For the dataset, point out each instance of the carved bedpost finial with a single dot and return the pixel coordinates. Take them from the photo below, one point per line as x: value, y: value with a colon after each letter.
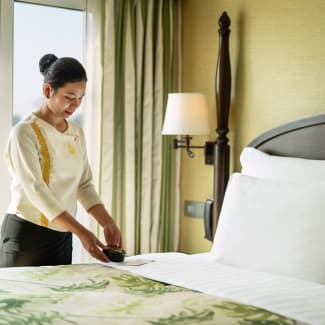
x: 224, y: 21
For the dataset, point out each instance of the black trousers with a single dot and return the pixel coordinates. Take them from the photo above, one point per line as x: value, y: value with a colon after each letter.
x: 23, y: 243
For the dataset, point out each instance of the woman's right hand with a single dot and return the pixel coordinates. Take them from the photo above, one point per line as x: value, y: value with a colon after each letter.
x: 93, y: 245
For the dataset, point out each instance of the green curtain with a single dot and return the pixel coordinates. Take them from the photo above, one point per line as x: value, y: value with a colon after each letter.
x: 139, y: 168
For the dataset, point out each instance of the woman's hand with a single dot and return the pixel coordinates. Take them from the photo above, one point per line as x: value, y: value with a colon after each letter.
x: 111, y: 231
x: 112, y: 235
x: 93, y: 245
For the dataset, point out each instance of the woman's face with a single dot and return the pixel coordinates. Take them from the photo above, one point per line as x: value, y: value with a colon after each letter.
x: 65, y: 100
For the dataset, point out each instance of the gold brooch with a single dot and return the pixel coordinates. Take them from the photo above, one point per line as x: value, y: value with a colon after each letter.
x: 71, y: 149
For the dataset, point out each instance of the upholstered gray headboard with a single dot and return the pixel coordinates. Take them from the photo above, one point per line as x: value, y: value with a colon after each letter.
x: 304, y: 138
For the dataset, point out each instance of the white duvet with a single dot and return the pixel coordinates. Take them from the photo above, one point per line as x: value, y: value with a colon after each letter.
x: 291, y: 297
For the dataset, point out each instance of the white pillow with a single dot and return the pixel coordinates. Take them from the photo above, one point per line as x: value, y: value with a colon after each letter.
x: 260, y: 164
x: 273, y: 226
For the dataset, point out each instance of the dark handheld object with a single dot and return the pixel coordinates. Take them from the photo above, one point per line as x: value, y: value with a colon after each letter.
x: 115, y: 254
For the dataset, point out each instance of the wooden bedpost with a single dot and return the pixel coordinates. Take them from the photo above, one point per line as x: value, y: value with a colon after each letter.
x: 223, y: 89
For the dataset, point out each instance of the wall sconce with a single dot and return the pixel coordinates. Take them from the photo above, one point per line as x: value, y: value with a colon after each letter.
x: 187, y: 114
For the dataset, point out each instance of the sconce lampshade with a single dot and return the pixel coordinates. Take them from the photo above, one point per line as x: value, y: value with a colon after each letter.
x: 186, y: 114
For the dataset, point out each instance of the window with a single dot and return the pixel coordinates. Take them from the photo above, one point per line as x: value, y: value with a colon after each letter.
x: 37, y: 32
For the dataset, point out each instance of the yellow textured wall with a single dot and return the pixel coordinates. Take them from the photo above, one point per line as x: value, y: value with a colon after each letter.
x: 277, y: 53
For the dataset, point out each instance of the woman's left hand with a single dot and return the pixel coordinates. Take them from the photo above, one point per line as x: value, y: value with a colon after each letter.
x: 112, y: 235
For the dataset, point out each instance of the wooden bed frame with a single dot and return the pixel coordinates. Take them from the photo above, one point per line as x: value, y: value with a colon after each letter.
x: 221, y: 147
x: 303, y: 138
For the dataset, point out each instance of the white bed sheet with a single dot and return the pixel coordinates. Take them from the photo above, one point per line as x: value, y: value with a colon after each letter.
x: 291, y: 297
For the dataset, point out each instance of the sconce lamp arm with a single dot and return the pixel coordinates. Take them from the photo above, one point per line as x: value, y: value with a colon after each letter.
x: 185, y: 143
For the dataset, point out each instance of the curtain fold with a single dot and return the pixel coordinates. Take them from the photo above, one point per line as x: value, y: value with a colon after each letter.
x: 92, y: 110
x: 138, y: 167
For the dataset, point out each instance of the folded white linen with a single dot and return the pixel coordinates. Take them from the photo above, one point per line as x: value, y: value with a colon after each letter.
x: 294, y: 298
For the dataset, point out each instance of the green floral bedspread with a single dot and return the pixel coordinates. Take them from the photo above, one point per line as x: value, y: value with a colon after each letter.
x: 94, y: 294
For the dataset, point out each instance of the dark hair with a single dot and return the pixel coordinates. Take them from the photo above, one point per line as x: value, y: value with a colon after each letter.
x: 59, y: 71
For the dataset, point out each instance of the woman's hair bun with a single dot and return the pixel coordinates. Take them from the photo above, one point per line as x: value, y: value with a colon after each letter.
x: 45, y: 62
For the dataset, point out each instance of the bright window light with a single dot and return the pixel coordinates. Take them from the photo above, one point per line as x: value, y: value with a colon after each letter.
x: 38, y: 30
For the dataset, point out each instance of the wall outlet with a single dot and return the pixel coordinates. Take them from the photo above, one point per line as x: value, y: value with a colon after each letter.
x: 193, y: 209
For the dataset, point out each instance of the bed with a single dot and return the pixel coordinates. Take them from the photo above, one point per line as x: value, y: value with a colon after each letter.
x: 260, y: 270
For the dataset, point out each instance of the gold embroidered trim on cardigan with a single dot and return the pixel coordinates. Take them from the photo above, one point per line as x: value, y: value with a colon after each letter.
x: 46, y: 165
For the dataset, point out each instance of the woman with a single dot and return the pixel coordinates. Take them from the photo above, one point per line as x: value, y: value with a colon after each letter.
x: 46, y: 156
